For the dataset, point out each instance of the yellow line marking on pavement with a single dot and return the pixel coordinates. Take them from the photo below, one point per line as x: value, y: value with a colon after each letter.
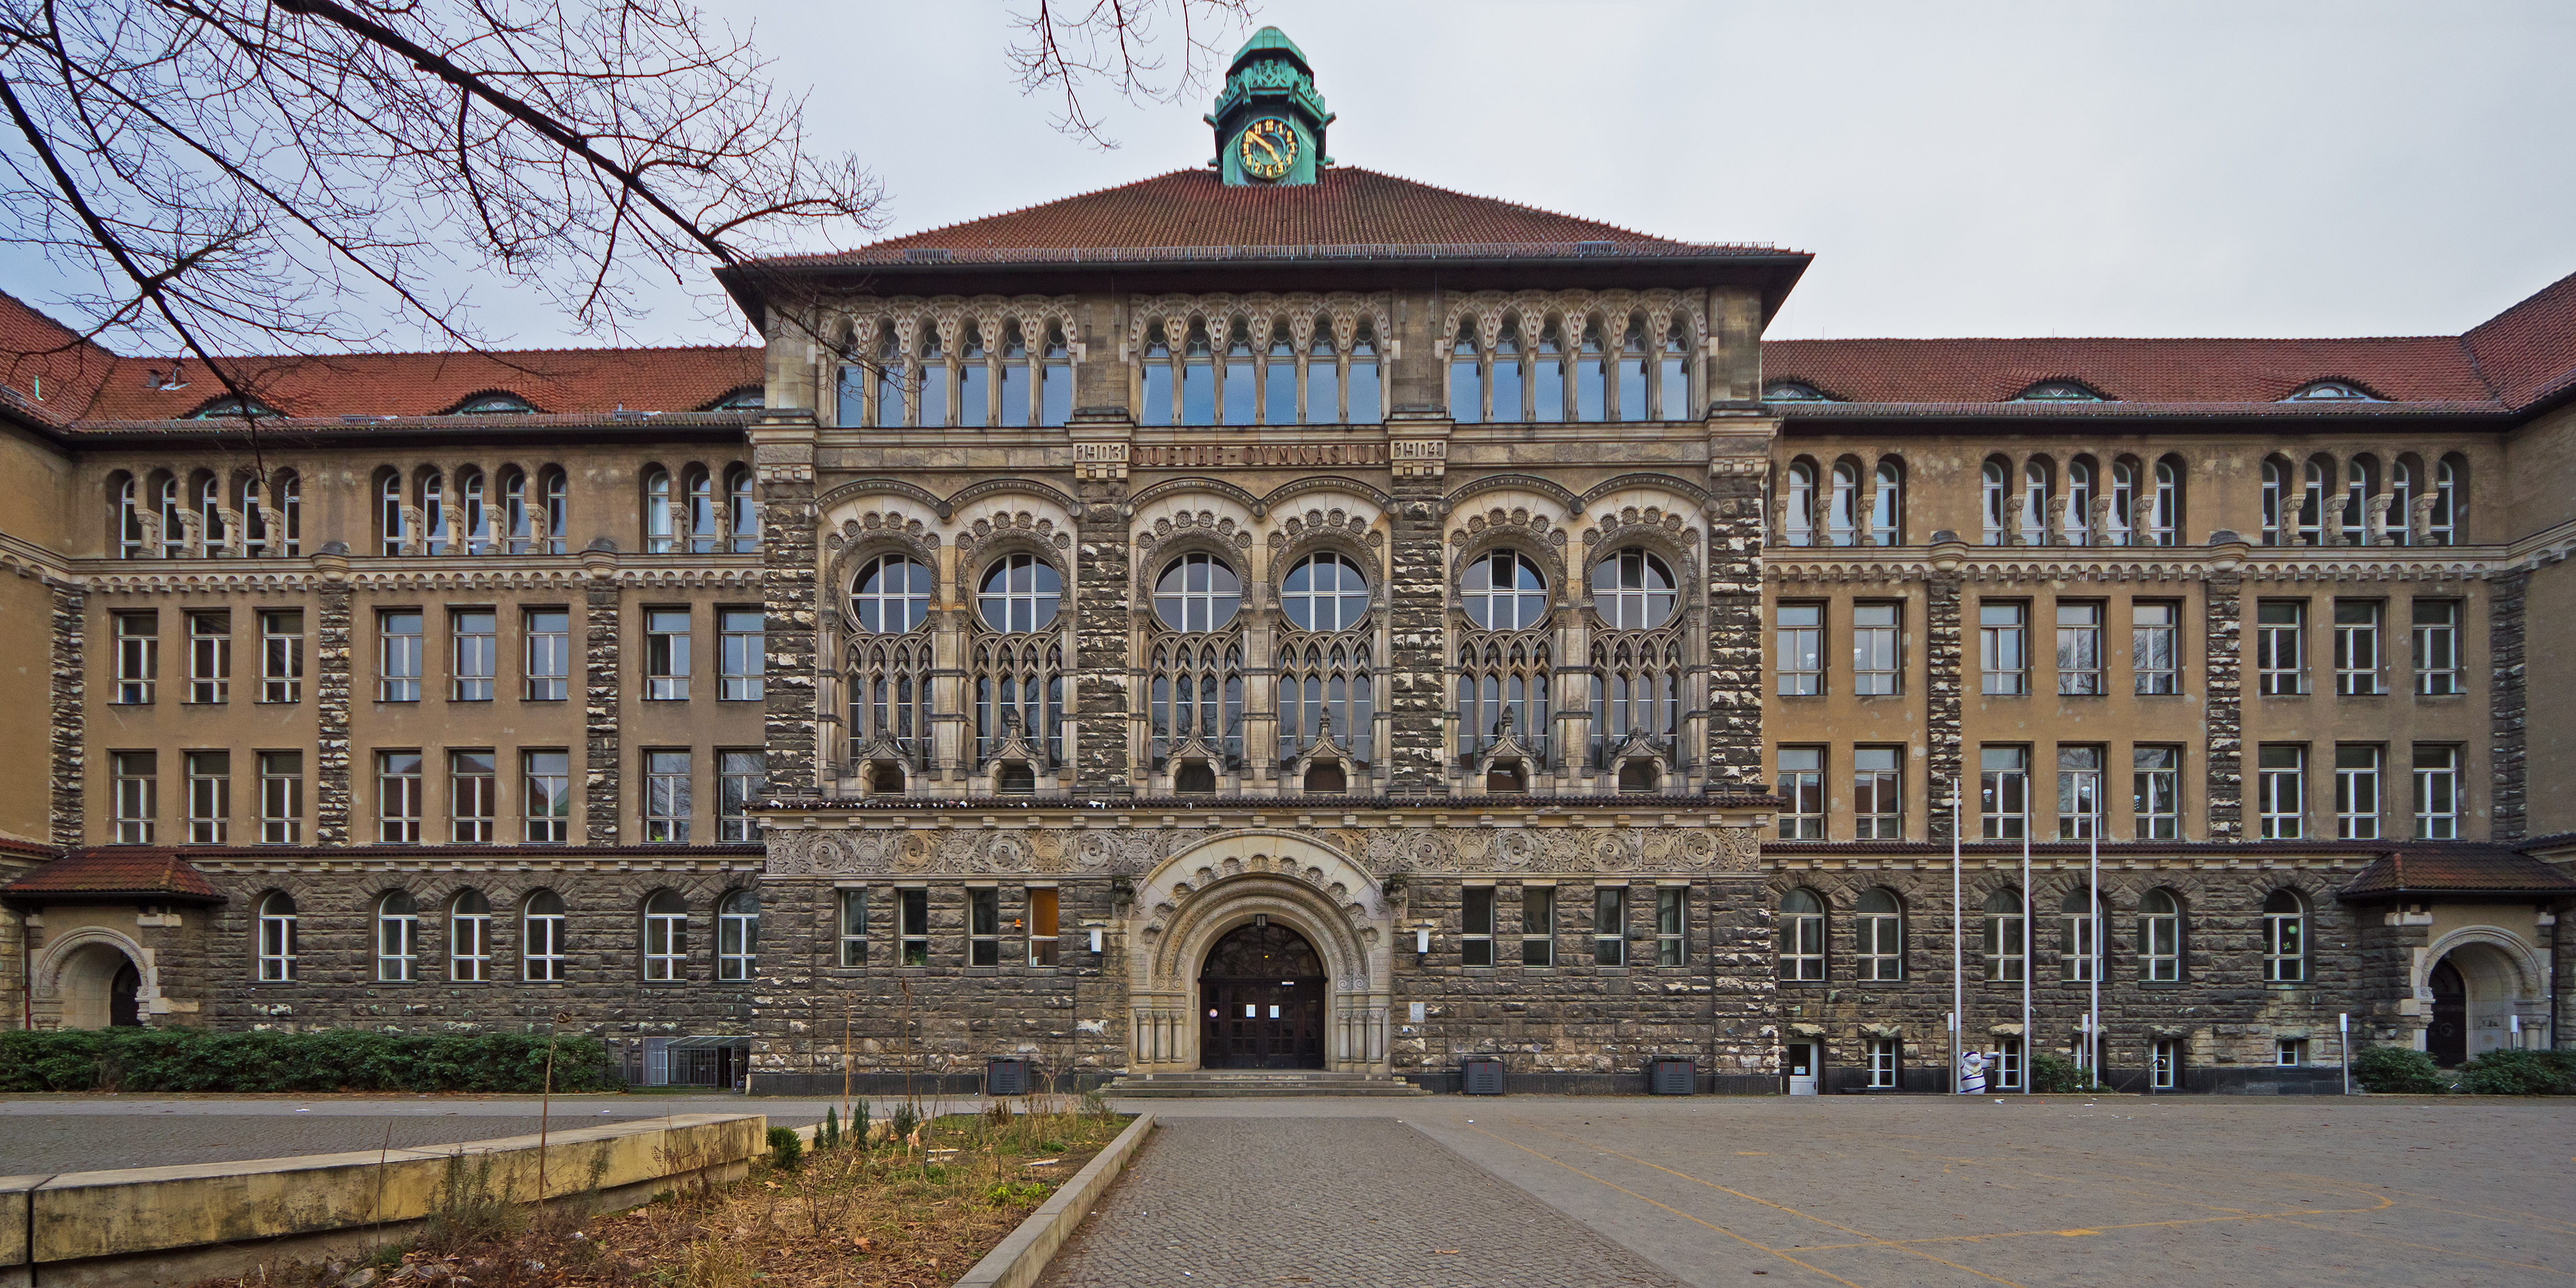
x: 2072, y: 1233
x: 1670, y: 1208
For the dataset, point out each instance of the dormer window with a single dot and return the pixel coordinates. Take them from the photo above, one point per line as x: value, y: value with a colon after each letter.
x: 494, y: 405
x: 741, y: 400
x: 2331, y: 391
x: 1794, y: 391
x: 230, y: 407
x: 2058, y: 391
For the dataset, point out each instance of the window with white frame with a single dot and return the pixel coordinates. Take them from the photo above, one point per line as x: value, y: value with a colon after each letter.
x: 742, y: 653
x: 1875, y: 666
x: 738, y: 935
x: 2079, y: 955
x: 2281, y: 790
x: 1801, y: 788
x: 1802, y: 937
x: 210, y: 796
x: 853, y: 921
x: 2289, y: 1053
x: 2153, y: 656
x: 2356, y: 647
x: 1995, y: 500
x: 2356, y: 789
x: 2167, y: 1073
x: 2003, y: 792
x: 1670, y: 922
x: 210, y: 657
x: 2281, y: 647
x: 984, y: 927
x: 912, y: 915
x: 469, y: 938
x: 666, y: 654
x: 549, y: 654
x: 2007, y: 1064
x: 666, y: 797
x: 473, y: 797
x: 1800, y: 631
x: 2155, y: 783
x: 545, y: 779
x: 281, y: 797
x: 1610, y: 925
x: 281, y: 656
x: 2437, y: 647
x: 2285, y: 938
x: 398, y: 797
x: 397, y: 938
x: 1878, y: 923
x: 742, y: 774
x: 398, y: 656
x: 1476, y: 926
x: 2079, y: 792
x: 2007, y: 943
x: 1044, y: 920
x: 1798, y: 504
x: 277, y: 938
x: 544, y: 948
x: 666, y: 938
x: 2003, y: 659
x: 476, y: 653
x: 1538, y: 925
x: 2160, y: 938
x: 1878, y: 793
x: 1883, y: 1063
x: 137, y: 638
x: 2079, y: 649
x: 2437, y: 792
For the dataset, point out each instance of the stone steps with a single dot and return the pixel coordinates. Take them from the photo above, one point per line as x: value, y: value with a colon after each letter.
x: 1261, y: 1084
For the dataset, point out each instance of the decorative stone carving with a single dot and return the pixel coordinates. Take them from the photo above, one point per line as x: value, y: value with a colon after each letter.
x: 1570, y: 309
x: 1053, y: 849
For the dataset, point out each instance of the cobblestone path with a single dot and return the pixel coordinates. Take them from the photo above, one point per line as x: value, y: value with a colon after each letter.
x: 1231, y: 1203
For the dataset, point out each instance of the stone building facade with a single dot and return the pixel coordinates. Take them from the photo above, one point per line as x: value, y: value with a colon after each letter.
x: 1287, y: 615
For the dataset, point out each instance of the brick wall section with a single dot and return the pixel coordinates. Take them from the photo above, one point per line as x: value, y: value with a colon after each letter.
x: 1943, y: 644
x: 70, y: 690
x: 1101, y: 630
x: 2507, y: 595
x: 334, y: 676
x: 2224, y: 658
x: 1417, y: 654
x: 1736, y: 635
x: 600, y: 699
x: 790, y: 728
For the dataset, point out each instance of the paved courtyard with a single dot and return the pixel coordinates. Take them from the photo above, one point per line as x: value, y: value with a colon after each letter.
x: 1877, y: 1192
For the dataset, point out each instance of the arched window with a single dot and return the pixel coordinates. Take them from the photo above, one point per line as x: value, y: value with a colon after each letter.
x: 1802, y: 936
x: 1842, y: 508
x: 1547, y: 397
x: 2276, y: 501
x: 499, y: 404
x: 1508, y: 380
x: 2007, y: 946
x: 657, y: 512
x: 475, y: 516
x: 277, y: 938
x: 1364, y: 398
x: 389, y: 513
x: 1633, y: 590
x: 891, y: 595
x: 1505, y: 657
x: 1591, y: 375
x: 469, y: 938
x: 1466, y: 377
x: 893, y: 408
x: 1197, y: 592
x: 397, y: 938
x: 2120, y: 522
x: 1634, y: 364
x: 174, y: 532
x: 974, y: 379
x: 2285, y: 938
x: 210, y: 514
x: 435, y: 532
x: 1995, y: 499
x: 544, y: 948
x: 1279, y: 378
x: 2035, y: 486
x: 737, y: 935
x: 2079, y: 501
x: 1798, y: 504
x: 706, y: 528
x: 1878, y: 925
x: 1326, y: 671
x: 2079, y: 946
x: 666, y: 938
x: 2360, y: 474
x: 1241, y: 376
x: 1673, y: 374
x: 518, y: 522
x: 1323, y: 378
x: 128, y: 519
x: 1793, y: 391
x: 1198, y: 377
x: 2442, y: 526
x: 930, y: 380
x: 2312, y: 501
x: 558, y: 511
x: 254, y: 515
x: 1887, y: 505
x: 1019, y: 672
x: 1324, y: 593
x: 289, y: 512
x: 2160, y: 938
x: 1020, y: 593
x: 1159, y: 386
x: 2401, y: 504
x: 1015, y: 382
x: 1055, y: 380
x: 1504, y: 591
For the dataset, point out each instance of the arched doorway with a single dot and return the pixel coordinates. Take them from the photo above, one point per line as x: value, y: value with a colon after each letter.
x: 1263, y: 990
x: 99, y: 987
x: 2447, y: 1038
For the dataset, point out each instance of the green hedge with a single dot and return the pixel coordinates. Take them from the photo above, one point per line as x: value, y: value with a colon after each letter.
x: 2520, y: 1073
x: 316, y: 1060
x: 2398, y: 1069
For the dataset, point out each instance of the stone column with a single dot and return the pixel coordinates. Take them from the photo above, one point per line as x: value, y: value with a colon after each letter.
x: 2507, y: 594
x: 601, y: 645
x: 334, y: 667
x: 1417, y: 689
x: 70, y: 748
x: 1103, y: 595
x: 1945, y: 687
x: 783, y: 455
x: 1739, y: 462
x: 2223, y: 712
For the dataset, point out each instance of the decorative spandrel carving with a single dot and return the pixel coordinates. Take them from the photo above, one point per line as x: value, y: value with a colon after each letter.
x: 1377, y: 851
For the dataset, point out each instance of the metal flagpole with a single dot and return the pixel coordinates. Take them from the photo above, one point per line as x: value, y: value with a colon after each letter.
x: 2028, y: 1050
x: 2093, y: 914
x: 1958, y: 940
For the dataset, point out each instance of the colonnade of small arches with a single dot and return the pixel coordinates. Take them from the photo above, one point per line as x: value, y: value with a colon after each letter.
x: 2365, y: 500
x: 205, y: 514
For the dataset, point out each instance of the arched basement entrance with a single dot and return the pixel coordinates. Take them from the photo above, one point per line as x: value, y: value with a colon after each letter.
x: 2477, y: 988
x: 1263, y: 989
x: 99, y: 989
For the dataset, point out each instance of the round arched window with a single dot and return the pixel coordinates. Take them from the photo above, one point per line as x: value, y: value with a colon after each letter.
x: 891, y: 595
x: 1325, y: 593
x: 1504, y: 592
x: 1633, y: 590
x: 1020, y: 593
x: 1197, y: 593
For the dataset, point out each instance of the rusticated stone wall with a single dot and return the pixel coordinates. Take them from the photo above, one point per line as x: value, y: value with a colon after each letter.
x: 70, y: 690
x: 602, y: 686
x: 2508, y: 593
x: 2224, y: 656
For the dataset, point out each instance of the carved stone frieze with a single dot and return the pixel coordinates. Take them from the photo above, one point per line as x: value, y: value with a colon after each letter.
x: 975, y: 850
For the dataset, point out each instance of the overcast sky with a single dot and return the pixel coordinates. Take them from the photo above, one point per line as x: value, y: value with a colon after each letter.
x: 2235, y: 168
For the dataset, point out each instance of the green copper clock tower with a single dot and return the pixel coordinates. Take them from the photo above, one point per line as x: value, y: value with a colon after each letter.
x: 1270, y: 121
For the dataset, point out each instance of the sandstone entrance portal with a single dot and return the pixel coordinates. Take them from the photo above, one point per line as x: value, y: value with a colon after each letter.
x: 1263, y: 996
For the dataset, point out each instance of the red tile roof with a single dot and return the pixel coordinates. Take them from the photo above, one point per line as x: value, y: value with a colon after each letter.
x: 2528, y: 352
x: 116, y: 869
x: 432, y: 384
x: 2466, y: 868
x: 1347, y: 209
x: 50, y: 368
x: 2413, y: 369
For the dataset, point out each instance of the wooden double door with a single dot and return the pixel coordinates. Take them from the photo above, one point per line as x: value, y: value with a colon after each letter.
x: 1262, y: 1002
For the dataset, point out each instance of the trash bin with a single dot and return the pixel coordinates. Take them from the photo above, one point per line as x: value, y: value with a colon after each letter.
x: 1672, y: 1076
x: 1482, y: 1075
x: 1006, y: 1075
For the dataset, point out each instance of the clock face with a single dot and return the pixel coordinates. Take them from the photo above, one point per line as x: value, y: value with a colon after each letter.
x: 1268, y: 148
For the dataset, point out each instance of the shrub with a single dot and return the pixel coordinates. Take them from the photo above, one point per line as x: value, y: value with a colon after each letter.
x: 2051, y: 1072
x: 2521, y: 1073
x: 2397, y: 1069
x: 829, y: 1135
x: 786, y: 1149
x: 338, y: 1059
x: 859, y: 1125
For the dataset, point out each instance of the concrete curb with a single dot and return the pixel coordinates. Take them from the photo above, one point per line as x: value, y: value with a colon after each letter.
x: 1019, y: 1259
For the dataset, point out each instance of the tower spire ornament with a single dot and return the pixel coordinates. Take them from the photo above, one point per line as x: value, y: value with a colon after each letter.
x: 1269, y: 120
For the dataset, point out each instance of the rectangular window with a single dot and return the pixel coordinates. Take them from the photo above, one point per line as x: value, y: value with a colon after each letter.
x: 666, y: 797
x: 2281, y: 790
x: 477, y: 652
x: 398, y: 656
x: 1882, y: 1064
x: 983, y: 927
x: 2008, y: 1064
x: 549, y: 633
x: 2437, y: 793
x: 912, y: 909
x: 743, y: 777
x: 1875, y: 669
x: 137, y: 789
x: 546, y: 795
x: 1610, y: 925
x: 210, y: 657
x: 854, y: 927
x: 2153, y: 651
x: 281, y: 797
x: 398, y: 797
x: 1538, y: 925
x: 1043, y: 922
x: 1802, y: 786
x: 138, y: 656
x: 2356, y: 647
x: 2079, y: 793
x: 744, y: 654
x: 1668, y: 925
x: 2003, y: 792
x: 1476, y: 937
x: 473, y: 797
x: 1878, y: 796
x: 666, y: 654
x: 2156, y: 792
x: 2290, y: 1052
x: 2437, y: 647
x: 2079, y: 649
x: 2357, y: 769
x: 2000, y: 653
x: 281, y: 657
x: 210, y: 796
x: 2167, y: 1074
x: 2280, y: 647
x: 1801, y: 638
